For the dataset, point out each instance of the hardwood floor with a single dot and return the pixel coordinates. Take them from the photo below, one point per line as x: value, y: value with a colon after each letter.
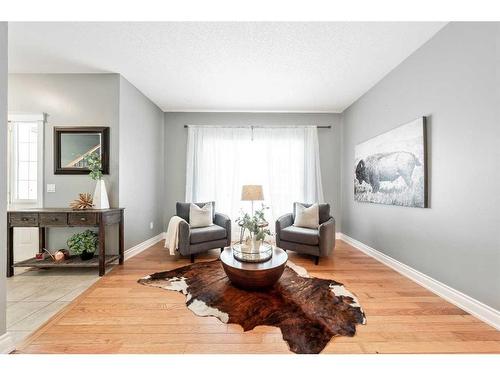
x: 118, y: 315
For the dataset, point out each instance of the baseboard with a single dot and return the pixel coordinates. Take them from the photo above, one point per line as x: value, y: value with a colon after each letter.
x: 478, y: 309
x: 6, y: 344
x: 338, y: 235
x: 139, y: 248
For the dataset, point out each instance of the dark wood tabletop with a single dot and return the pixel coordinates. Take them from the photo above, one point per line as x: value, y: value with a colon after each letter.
x: 279, y: 258
x: 63, y: 210
x: 254, y: 275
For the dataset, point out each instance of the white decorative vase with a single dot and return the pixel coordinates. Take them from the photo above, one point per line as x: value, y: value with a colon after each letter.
x: 255, y: 245
x: 100, y: 198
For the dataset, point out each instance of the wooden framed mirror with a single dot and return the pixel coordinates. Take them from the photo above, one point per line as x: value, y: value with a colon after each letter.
x: 73, y: 144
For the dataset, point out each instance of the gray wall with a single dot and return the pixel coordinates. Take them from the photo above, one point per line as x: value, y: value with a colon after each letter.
x: 141, y: 166
x: 3, y: 171
x: 453, y: 79
x: 176, y: 142
x: 70, y: 100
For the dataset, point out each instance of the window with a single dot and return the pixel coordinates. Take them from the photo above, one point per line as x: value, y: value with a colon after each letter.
x: 25, y: 159
x: 284, y: 160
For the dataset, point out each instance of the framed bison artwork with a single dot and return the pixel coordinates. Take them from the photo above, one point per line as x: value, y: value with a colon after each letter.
x: 391, y: 168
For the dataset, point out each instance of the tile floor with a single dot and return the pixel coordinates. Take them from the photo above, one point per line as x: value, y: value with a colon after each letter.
x: 34, y: 296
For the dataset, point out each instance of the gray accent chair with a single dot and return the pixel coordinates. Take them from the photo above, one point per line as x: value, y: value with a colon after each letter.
x: 317, y: 242
x: 193, y: 241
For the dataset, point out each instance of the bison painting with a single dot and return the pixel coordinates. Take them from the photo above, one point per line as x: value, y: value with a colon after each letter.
x: 387, y: 167
x: 390, y: 168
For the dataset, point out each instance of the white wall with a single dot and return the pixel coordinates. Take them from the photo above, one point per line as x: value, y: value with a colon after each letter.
x: 453, y: 79
x: 141, y: 164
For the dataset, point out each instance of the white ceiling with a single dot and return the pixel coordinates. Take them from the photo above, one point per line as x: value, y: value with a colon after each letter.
x: 295, y: 67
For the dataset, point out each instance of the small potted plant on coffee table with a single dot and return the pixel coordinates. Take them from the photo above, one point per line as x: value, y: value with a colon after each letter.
x: 84, y: 244
x: 256, y: 226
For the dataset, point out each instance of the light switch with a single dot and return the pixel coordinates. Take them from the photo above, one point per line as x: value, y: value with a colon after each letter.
x: 51, y: 188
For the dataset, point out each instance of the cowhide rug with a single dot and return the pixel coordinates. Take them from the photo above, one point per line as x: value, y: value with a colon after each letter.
x: 309, y: 311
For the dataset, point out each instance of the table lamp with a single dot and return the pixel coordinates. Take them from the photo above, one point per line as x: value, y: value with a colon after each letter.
x: 252, y: 193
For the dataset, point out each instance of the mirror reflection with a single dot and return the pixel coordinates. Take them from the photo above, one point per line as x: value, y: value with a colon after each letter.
x: 72, y: 145
x: 75, y: 147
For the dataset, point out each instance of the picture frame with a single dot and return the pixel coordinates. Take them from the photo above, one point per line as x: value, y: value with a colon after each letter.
x: 391, y: 168
x: 73, y: 143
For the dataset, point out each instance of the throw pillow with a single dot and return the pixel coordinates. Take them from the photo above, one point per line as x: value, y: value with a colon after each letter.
x: 200, y: 216
x: 306, y: 217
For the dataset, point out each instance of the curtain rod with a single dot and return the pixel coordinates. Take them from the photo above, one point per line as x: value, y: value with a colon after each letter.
x: 257, y: 126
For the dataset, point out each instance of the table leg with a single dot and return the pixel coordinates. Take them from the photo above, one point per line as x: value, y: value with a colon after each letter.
x: 102, y: 250
x: 42, y: 239
x: 121, y: 250
x: 10, y: 251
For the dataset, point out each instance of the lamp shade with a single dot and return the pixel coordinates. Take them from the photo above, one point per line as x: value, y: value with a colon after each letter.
x: 252, y: 193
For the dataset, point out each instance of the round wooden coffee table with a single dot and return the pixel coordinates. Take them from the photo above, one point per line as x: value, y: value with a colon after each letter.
x: 254, y: 275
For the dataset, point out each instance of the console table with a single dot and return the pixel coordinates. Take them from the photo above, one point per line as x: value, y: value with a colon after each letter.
x: 43, y: 218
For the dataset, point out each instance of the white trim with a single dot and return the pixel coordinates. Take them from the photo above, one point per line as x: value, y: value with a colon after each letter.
x: 139, y: 248
x: 6, y: 344
x: 26, y: 117
x: 478, y: 309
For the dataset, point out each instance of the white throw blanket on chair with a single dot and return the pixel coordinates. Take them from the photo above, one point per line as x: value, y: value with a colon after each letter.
x: 172, y: 239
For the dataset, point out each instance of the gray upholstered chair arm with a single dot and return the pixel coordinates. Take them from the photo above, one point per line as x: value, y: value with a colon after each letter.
x: 184, y: 237
x: 225, y: 222
x: 282, y: 222
x: 327, y: 237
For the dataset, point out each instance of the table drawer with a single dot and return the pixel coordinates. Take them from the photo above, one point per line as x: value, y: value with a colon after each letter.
x: 82, y: 218
x: 54, y: 219
x: 20, y: 219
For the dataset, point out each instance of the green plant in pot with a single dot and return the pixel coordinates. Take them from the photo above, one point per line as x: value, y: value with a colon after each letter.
x: 84, y: 244
x: 100, y: 197
x: 256, y: 226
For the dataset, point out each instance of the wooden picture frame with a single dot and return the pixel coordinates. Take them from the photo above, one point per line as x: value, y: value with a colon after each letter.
x: 59, y: 132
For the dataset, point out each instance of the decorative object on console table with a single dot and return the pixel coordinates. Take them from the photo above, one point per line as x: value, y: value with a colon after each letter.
x: 83, y: 202
x: 65, y: 217
x: 59, y: 256
x: 100, y: 198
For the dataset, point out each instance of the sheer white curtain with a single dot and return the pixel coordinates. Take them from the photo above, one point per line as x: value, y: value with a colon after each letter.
x: 284, y: 160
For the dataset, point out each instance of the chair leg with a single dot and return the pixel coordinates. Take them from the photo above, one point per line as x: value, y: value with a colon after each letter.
x: 316, y: 260
x: 192, y: 258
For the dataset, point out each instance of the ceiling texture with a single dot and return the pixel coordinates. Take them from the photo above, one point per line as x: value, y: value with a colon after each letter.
x: 225, y: 66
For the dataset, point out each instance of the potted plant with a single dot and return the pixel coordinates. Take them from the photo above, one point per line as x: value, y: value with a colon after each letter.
x: 256, y: 226
x: 100, y: 197
x: 84, y: 244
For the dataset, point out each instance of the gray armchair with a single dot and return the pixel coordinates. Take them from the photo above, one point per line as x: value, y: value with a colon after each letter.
x: 197, y: 240
x: 317, y: 242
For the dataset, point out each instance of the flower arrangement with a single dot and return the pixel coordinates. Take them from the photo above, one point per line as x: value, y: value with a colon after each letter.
x: 84, y: 244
